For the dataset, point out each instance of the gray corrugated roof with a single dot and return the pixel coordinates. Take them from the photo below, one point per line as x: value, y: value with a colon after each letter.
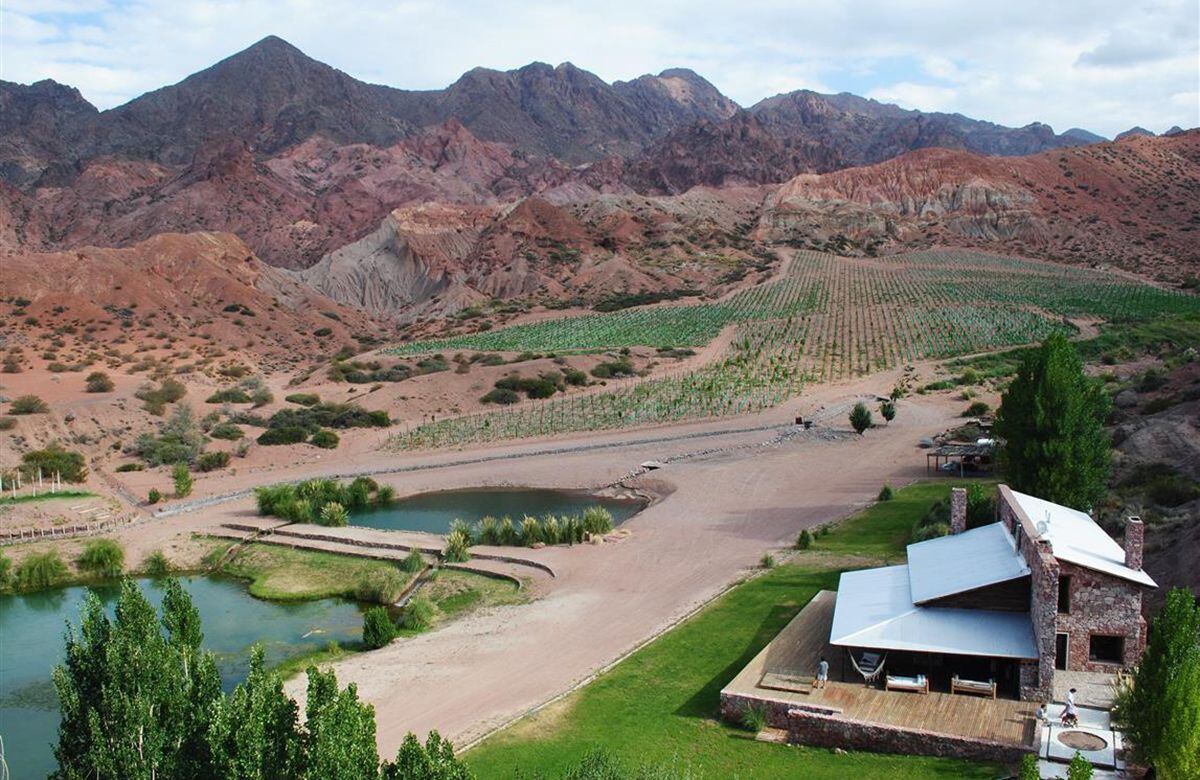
x: 966, y: 561
x: 875, y: 610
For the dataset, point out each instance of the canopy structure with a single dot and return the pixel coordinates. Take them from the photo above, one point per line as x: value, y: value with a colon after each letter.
x: 875, y: 610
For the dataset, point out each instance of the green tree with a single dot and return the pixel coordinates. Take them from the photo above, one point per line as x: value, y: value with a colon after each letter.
x: 1052, y: 421
x: 860, y: 418
x: 378, y: 629
x: 1079, y: 768
x: 434, y: 761
x: 183, y: 480
x: 1029, y: 768
x: 254, y: 733
x: 339, y: 743
x: 1160, y: 710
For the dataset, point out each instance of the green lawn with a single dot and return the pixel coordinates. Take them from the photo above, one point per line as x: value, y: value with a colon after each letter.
x: 659, y: 706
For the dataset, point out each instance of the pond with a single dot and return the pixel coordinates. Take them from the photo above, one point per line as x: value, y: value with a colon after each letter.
x: 31, y: 643
x: 433, y: 512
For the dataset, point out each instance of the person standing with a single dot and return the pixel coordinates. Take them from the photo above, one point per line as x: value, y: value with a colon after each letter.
x: 822, y: 673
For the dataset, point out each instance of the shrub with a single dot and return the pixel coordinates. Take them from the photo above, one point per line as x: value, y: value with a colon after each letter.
x: 886, y: 493
x: 597, y: 521
x: 531, y: 531
x: 500, y: 395
x: 211, y: 461
x: 767, y: 561
x: 418, y: 615
x: 303, y: 399
x: 155, y: 399
x: 303, y: 503
x: 230, y: 395
x: 413, y: 562
x: 860, y: 418
x: 804, y: 540
x: 261, y: 397
x: 154, y: 496
x: 28, y: 404
x: 378, y: 628
x: 456, y: 550
x: 227, y: 431
x: 156, y: 564
x: 487, y: 530
x: 182, y: 479
x: 931, y: 531
x: 127, y: 467
x: 102, y: 557
x: 179, y: 440
x: 380, y: 586
x: 325, y: 439
x: 5, y: 569
x: 328, y: 415
x: 334, y: 514
x: 574, y: 376
x: 887, y: 410
x: 38, y: 571
x: 286, y: 435
x: 977, y: 409
x: 1079, y: 768
x: 754, y: 718
x: 613, y: 369
x: 69, y: 465
x: 98, y: 382
x: 8, y: 423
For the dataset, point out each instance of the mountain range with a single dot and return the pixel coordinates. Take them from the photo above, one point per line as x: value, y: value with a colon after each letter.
x: 549, y: 181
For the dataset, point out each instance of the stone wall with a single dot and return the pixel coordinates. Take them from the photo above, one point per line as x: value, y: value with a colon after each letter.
x: 734, y: 705
x: 806, y: 727
x: 1043, y: 602
x: 1101, y: 604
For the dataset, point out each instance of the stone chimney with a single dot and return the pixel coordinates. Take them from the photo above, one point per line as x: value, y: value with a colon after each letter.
x: 1135, y: 533
x: 958, y: 510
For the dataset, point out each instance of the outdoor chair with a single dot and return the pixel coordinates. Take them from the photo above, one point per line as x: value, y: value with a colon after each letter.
x: 961, y: 685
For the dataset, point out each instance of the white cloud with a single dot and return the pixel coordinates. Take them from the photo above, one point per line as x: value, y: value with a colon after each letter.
x: 1104, y: 65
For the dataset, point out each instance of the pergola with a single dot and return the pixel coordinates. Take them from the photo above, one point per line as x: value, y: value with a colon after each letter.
x: 980, y: 454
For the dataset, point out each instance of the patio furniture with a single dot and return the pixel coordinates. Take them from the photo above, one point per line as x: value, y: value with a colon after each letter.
x: 918, y: 684
x: 869, y: 665
x: 961, y: 685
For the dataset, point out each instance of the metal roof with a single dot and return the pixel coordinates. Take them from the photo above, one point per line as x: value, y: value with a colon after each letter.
x: 965, y: 561
x: 874, y: 610
x: 1075, y: 537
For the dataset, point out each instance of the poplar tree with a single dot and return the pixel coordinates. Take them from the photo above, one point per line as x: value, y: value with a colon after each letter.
x: 1051, y: 419
x: 1160, y: 711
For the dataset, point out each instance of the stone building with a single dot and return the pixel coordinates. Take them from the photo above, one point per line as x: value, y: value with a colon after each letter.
x: 1041, y: 589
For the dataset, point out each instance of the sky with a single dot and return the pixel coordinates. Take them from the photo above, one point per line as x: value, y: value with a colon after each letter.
x: 1104, y: 65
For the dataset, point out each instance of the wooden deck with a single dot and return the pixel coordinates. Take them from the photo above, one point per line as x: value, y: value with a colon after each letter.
x: 782, y: 671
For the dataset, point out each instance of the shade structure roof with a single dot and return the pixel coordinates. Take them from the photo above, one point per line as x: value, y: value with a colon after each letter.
x: 875, y: 610
x: 1075, y: 537
x: 955, y: 564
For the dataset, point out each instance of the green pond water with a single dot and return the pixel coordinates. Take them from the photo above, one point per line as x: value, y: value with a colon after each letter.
x: 433, y: 512
x: 31, y: 643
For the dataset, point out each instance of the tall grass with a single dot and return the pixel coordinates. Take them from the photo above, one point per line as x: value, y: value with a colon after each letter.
x: 39, y: 571
x: 307, y: 502
x: 564, y: 529
x: 102, y: 557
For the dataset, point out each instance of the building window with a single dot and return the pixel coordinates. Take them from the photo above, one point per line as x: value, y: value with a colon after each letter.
x: 1064, y: 595
x: 1107, y: 649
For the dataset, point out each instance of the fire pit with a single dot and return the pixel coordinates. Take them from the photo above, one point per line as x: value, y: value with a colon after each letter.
x: 1081, y: 740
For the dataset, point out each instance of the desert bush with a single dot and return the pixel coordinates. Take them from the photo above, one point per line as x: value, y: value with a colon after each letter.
x: 500, y: 395
x: 182, y: 478
x: 977, y: 409
x: 325, y: 439
x: 155, y: 399
x: 418, y: 615
x: 887, y: 410
x: 8, y: 423
x: 614, y: 369
x: 456, y: 549
x: 98, y: 382
x: 227, y: 431
x: 261, y: 396
x: 328, y: 415
x: 68, y: 464
x: 574, y: 376
x: 179, y: 440
x: 767, y: 561
x: 230, y: 395
x: 303, y: 399
x: 38, y: 571
x: 28, y: 404
x: 378, y: 628
x: 380, y: 586
x: 154, y: 496
x: 127, y: 467
x: 286, y: 435
x: 211, y: 461
x: 804, y: 540
x: 886, y: 493
x: 102, y: 557
x: 860, y: 418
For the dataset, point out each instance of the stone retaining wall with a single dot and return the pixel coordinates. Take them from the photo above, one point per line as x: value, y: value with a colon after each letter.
x: 808, y: 727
